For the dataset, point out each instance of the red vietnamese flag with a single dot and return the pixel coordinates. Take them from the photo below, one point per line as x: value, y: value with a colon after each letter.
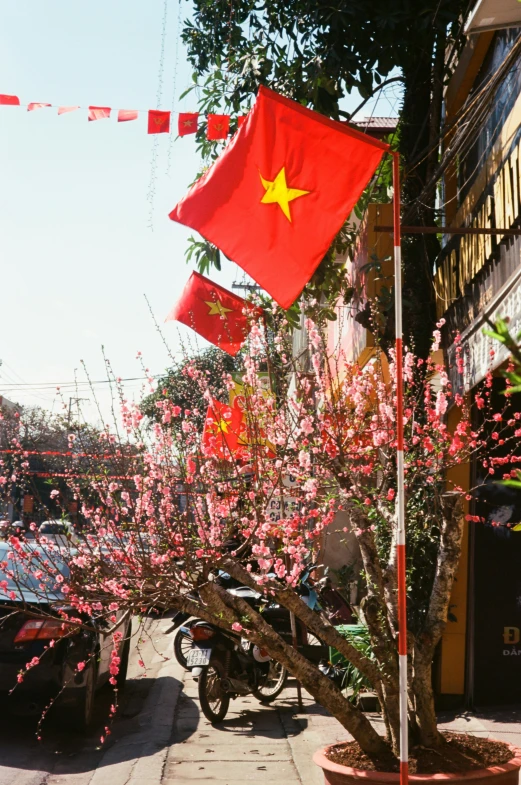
x: 215, y: 313
x: 158, y: 122
x: 33, y: 106
x: 9, y: 100
x: 127, y: 115
x: 187, y: 123
x: 99, y: 113
x: 224, y: 427
x: 218, y: 126
x: 280, y: 192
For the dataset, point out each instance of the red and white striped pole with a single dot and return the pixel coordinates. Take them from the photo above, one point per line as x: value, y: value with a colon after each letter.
x: 400, y: 495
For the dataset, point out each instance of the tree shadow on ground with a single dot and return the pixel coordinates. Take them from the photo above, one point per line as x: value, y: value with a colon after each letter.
x: 143, y: 726
x: 500, y: 717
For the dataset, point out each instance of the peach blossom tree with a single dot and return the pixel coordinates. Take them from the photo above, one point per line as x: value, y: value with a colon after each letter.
x: 191, y: 503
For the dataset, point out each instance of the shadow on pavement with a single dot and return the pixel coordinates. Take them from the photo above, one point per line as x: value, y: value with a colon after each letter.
x: 143, y: 726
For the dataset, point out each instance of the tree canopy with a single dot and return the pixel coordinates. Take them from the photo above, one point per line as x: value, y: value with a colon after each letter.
x: 317, y: 53
x: 178, y: 387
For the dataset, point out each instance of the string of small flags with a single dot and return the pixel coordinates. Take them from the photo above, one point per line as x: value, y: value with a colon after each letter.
x: 217, y: 125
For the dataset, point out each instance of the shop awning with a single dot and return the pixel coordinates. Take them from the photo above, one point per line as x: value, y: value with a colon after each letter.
x: 493, y: 15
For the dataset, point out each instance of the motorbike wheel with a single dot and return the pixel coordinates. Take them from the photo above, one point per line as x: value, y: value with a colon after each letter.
x: 182, y: 645
x: 214, y: 701
x: 273, y: 684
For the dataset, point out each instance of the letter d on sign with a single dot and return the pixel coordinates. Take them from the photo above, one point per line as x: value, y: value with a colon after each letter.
x: 511, y: 635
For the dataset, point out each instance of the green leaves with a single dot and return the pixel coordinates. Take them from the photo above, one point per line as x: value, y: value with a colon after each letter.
x: 500, y: 331
x: 204, y: 254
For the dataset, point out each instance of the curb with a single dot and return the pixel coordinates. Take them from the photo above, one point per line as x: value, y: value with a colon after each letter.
x: 152, y: 740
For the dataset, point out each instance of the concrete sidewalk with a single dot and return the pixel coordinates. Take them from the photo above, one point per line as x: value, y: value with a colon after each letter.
x: 161, y: 737
x: 276, y: 743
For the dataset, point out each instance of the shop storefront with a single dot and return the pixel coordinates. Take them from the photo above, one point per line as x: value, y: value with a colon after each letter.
x: 478, y: 279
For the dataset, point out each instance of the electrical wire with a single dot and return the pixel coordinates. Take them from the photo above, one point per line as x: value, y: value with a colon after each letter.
x: 174, y: 84
x: 61, y: 385
x: 155, y: 144
x: 475, y: 112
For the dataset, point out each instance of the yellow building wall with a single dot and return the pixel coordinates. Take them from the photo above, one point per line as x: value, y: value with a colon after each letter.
x: 453, y: 642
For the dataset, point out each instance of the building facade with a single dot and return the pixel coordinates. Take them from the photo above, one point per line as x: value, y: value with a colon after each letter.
x: 477, y: 279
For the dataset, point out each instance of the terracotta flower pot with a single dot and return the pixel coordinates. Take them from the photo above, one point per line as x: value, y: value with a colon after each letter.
x: 502, y: 774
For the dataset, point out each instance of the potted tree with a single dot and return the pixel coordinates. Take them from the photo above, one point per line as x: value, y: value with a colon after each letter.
x: 159, y: 535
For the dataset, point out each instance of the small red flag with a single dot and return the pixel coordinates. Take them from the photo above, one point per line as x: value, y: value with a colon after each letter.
x: 124, y: 115
x: 281, y: 190
x: 32, y: 107
x: 224, y: 430
x: 9, y: 100
x: 218, y: 315
x: 158, y: 122
x: 65, y: 109
x: 218, y: 126
x: 187, y: 123
x: 99, y: 112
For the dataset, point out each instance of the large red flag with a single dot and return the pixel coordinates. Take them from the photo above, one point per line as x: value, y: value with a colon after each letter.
x: 218, y: 315
x: 224, y: 429
x: 280, y: 192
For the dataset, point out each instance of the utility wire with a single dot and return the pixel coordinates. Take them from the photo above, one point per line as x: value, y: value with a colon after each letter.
x: 155, y: 144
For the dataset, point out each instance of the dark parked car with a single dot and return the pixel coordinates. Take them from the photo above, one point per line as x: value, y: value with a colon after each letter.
x: 24, y: 636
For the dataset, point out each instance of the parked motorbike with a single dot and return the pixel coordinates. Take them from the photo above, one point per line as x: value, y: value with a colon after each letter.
x: 227, y: 666
x: 317, y: 595
x: 274, y: 614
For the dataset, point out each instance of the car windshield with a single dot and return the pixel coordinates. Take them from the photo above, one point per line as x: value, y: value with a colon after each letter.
x: 54, y: 527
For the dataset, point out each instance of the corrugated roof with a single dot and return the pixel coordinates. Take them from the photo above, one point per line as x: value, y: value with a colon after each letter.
x: 377, y: 122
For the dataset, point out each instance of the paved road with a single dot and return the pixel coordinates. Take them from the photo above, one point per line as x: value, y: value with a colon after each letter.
x: 161, y: 738
x: 137, y: 746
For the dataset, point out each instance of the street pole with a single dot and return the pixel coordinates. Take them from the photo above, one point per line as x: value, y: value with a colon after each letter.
x: 77, y: 401
x: 400, y: 491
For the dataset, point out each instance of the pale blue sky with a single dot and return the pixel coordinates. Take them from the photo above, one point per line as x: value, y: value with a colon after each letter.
x: 77, y: 253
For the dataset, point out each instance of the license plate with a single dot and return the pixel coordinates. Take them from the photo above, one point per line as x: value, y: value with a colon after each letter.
x: 198, y: 657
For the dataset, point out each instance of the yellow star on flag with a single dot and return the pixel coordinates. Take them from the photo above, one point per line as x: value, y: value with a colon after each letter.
x: 277, y: 192
x: 217, y: 308
x: 221, y: 426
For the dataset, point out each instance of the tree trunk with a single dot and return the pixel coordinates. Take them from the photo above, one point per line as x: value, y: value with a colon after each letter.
x: 323, y: 689
x: 449, y: 553
x: 418, y: 250
x: 319, y: 626
x: 423, y: 696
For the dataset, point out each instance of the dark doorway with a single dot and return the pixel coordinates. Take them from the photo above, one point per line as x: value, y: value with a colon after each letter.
x: 495, y: 583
